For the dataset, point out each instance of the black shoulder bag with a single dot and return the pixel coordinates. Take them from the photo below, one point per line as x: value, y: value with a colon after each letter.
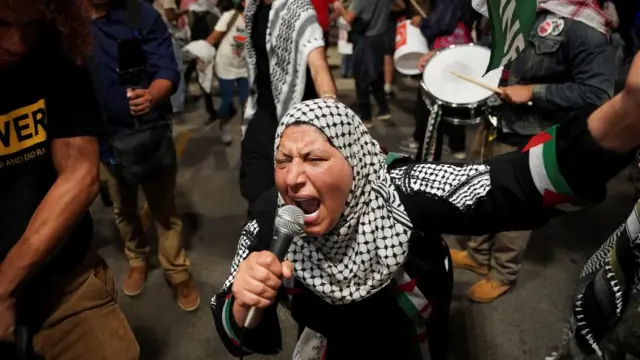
x: 147, y: 149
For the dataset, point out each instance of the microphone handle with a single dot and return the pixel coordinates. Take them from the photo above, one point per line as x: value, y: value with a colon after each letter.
x: 279, y: 247
x: 253, y: 318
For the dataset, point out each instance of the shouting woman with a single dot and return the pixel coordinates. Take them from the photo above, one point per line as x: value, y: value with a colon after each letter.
x: 370, y: 277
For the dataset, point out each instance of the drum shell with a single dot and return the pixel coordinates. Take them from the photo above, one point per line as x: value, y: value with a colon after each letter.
x: 457, y: 114
x: 469, y: 113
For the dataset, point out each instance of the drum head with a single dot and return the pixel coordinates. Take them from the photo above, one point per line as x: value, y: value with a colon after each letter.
x: 471, y: 60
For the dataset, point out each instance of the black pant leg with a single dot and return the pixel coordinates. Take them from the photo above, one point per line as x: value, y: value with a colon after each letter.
x: 377, y: 89
x: 363, y: 94
x: 256, y: 159
x: 421, y: 116
x: 457, y: 136
x: 208, y: 105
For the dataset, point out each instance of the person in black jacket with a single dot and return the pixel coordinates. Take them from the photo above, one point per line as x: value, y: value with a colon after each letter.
x: 442, y: 21
x: 370, y: 276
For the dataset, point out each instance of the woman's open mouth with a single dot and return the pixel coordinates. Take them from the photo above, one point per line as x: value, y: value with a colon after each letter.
x: 310, y: 207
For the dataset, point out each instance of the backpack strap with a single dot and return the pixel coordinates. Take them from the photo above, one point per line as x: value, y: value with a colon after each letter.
x: 232, y: 22
x: 134, y: 16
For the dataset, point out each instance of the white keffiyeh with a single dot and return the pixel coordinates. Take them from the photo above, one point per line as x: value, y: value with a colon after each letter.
x: 371, y: 240
x: 585, y: 11
x: 292, y: 33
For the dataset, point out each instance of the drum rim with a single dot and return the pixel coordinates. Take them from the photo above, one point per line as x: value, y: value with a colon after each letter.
x: 444, y: 102
x: 474, y: 104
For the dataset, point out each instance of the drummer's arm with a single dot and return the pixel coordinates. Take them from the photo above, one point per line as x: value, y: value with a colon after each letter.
x: 593, y: 73
x: 398, y: 5
x: 441, y: 22
x: 349, y: 15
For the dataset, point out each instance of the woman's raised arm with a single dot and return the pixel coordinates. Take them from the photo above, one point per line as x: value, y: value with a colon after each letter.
x: 561, y: 169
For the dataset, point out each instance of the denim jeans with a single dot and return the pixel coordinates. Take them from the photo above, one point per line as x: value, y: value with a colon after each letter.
x: 178, y: 98
x: 227, y: 88
x: 346, y: 68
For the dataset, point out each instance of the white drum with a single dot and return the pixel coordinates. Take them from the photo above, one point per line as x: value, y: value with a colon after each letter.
x: 460, y: 101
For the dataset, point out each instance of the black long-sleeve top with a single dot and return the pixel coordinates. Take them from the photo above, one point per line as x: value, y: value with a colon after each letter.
x: 560, y: 170
x: 443, y: 19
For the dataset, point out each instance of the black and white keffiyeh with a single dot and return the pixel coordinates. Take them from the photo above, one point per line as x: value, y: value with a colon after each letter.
x: 292, y: 33
x: 371, y: 240
x: 608, y: 281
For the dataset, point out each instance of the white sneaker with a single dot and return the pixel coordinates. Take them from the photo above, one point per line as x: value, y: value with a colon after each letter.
x: 384, y: 116
x: 225, y: 135
x: 409, y: 146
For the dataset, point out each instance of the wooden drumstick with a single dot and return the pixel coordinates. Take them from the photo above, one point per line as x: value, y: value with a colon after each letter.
x: 477, y: 82
x: 481, y: 83
x: 418, y: 8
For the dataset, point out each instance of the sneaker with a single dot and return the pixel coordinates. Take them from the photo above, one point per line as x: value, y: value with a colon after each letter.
x: 134, y: 283
x: 462, y: 260
x: 460, y: 155
x: 383, y: 116
x: 409, y: 146
x: 388, y: 91
x: 187, y: 295
x: 487, y: 290
x: 225, y: 135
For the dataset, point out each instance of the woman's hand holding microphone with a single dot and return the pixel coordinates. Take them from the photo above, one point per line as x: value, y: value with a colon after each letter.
x: 257, y: 282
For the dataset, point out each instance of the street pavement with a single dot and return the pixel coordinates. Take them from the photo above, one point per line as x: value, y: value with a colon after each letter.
x: 525, y: 324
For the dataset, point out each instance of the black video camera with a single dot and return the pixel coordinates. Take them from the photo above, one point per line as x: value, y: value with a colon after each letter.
x: 132, y: 62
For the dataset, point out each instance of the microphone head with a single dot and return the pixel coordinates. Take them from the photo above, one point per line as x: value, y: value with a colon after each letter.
x: 290, y: 219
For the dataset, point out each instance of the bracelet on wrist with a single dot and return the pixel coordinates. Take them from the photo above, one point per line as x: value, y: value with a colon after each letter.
x: 329, y: 96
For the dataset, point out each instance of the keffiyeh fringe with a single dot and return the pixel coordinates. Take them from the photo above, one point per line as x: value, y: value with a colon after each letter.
x: 610, y: 276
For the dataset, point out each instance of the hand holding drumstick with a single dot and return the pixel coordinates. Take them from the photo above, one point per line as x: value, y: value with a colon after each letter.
x: 515, y: 94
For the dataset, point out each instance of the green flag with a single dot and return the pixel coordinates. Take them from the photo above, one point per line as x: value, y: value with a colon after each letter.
x: 511, y: 24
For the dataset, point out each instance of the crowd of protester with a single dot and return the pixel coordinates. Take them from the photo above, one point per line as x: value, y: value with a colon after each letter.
x: 96, y: 84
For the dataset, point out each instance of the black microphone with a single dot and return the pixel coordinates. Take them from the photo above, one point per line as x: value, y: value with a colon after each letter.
x: 289, y: 224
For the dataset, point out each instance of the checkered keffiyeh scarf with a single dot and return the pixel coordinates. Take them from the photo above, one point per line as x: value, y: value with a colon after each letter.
x: 360, y: 255
x: 586, y: 11
x: 608, y: 280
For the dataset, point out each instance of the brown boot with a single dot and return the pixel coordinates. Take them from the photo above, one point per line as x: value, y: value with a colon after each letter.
x: 134, y: 283
x: 462, y: 260
x: 187, y: 295
x: 487, y: 290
